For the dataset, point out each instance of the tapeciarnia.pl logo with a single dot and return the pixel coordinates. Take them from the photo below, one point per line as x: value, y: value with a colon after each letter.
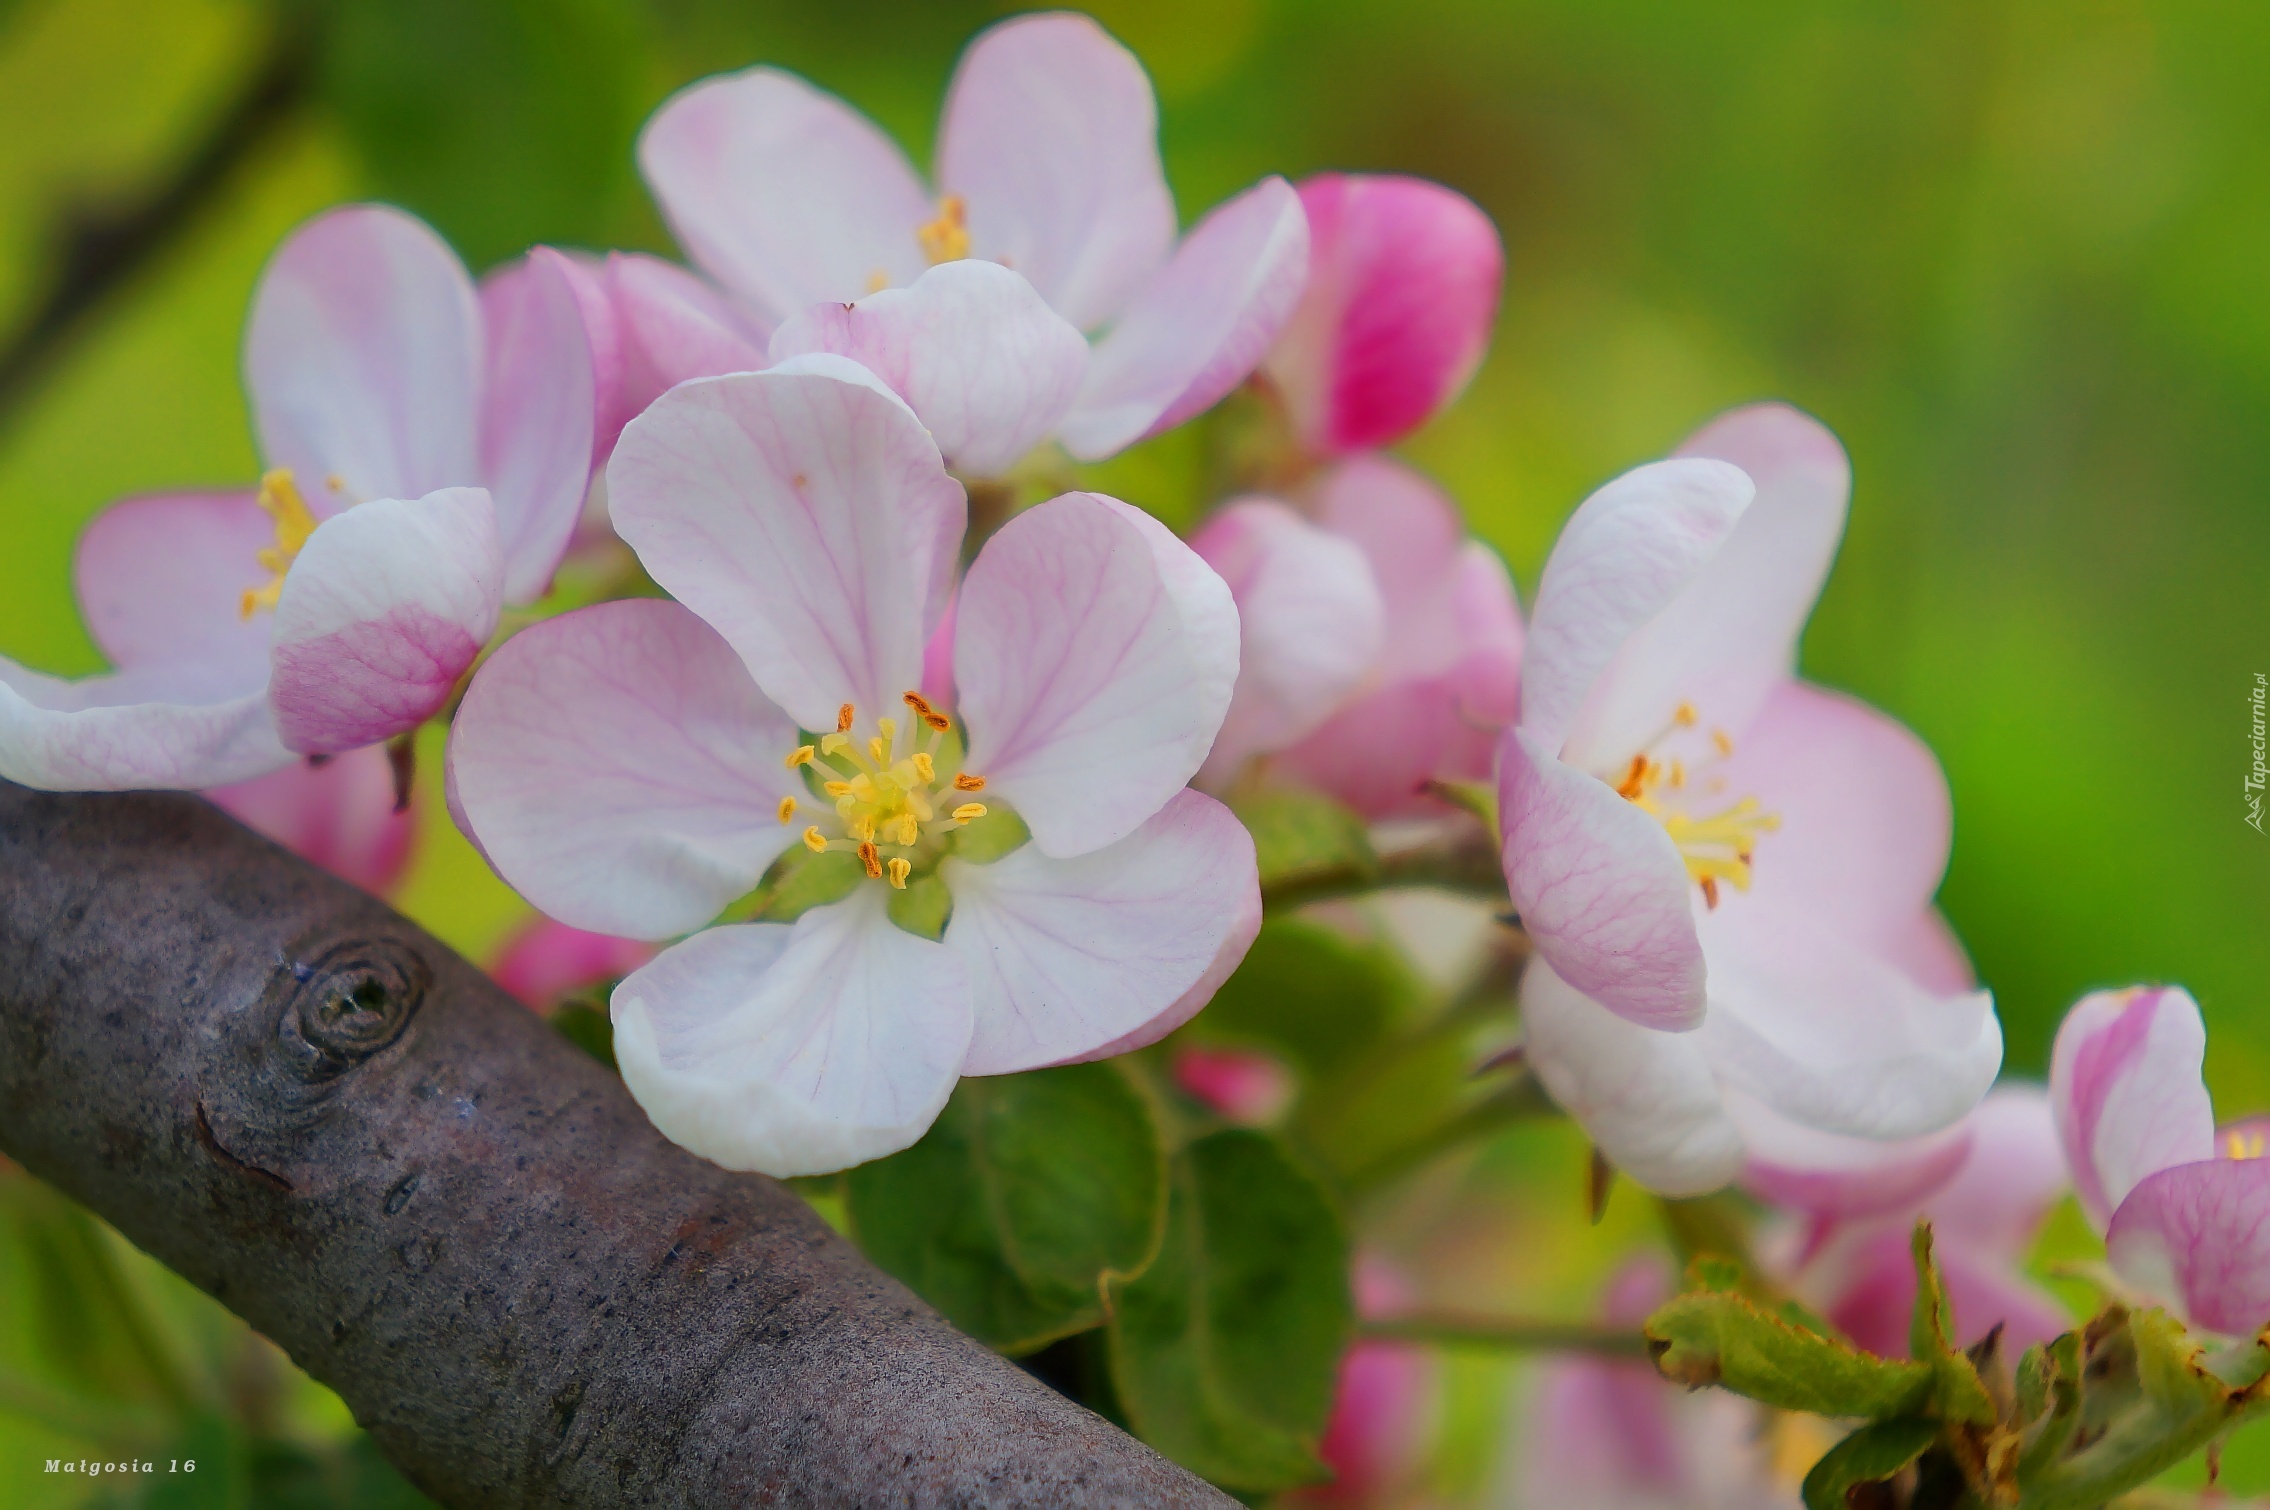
x: 2258, y: 773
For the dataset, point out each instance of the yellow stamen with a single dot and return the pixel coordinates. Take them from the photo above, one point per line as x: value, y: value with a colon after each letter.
x: 1716, y: 847
x: 968, y: 811
x: 877, y: 281
x: 965, y: 782
x: 862, y: 829
x: 1722, y: 742
x: 879, y: 749
x: 843, y: 719
x: 1685, y: 715
x: 837, y: 788
x: 871, y: 860
x: 815, y: 841
x: 890, y: 728
x: 945, y: 238
x: 787, y: 808
x: 924, y: 767
x: 801, y: 755
x: 909, y: 830
x: 899, y: 871
x: 280, y: 499
x: 2246, y: 1145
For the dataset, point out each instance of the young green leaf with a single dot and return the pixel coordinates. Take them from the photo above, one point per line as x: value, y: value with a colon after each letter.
x: 1869, y: 1456
x: 1304, y: 836
x: 1958, y: 1394
x: 1722, y: 1337
x: 1225, y: 1352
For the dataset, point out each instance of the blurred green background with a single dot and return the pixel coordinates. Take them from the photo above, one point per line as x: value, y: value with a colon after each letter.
x: 2016, y: 252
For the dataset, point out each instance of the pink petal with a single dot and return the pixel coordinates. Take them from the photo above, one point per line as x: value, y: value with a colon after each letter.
x: 1310, y: 626
x: 1051, y: 136
x: 1996, y: 1203
x: 538, y: 406
x: 1928, y: 950
x: 603, y: 334
x: 622, y: 771
x: 1647, y: 1098
x: 1623, y: 556
x: 673, y: 327
x: 338, y: 813
x: 1096, y: 655
x: 168, y: 727
x: 2124, y: 1081
x: 784, y: 194
x: 1838, y: 1177
x: 1375, y: 1434
x: 161, y: 581
x: 1244, y: 925
x: 1875, y: 1296
x: 363, y: 358
x: 1729, y: 638
x: 985, y: 364
x: 1240, y: 1085
x: 1066, y: 956
x: 1376, y: 751
x: 1599, y: 887
x: 1198, y: 326
x: 804, y: 512
x: 2196, y: 1237
x: 548, y: 961
x: 1402, y: 293
x: 387, y: 605
x: 797, y: 1049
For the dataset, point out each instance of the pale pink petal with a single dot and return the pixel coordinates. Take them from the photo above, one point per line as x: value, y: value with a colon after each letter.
x: 547, y: 961
x: 2196, y: 1237
x: 1096, y: 655
x: 1243, y: 927
x: 2124, y: 1081
x: 1600, y: 888
x: 1835, y: 1176
x: 611, y: 409
x: 1928, y: 950
x: 673, y: 326
x: 1065, y: 956
x: 161, y: 581
x: 338, y: 812
x: 386, y: 606
x: 1310, y: 622
x: 538, y: 404
x: 985, y: 364
x: 162, y: 727
x: 1402, y: 292
x: 621, y: 770
x: 1647, y: 1098
x: 1198, y: 326
x: 938, y: 660
x: 2015, y: 1174
x: 805, y: 513
x: 1375, y: 752
x: 1729, y: 638
x: 1875, y: 1296
x: 1051, y: 136
x: 1623, y: 556
x: 1411, y: 534
x: 363, y: 358
x: 797, y: 1049
x: 784, y: 194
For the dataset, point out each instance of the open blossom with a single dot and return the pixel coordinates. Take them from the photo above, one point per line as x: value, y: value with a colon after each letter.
x: 2185, y: 1210
x: 1382, y: 647
x: 1047, y: 165
x: 634, y: 767
x: 1727, y: 874
x: 1402, y: 292
x: 1987, y: 1184
x: 428, y: 449
x: 337, y: 811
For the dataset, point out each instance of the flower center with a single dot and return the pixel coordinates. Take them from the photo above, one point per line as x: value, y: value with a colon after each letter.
x: 280, y: 498
x: 1715, y: 846
x: 2243, y: 1143
x: 945, y: 238
x: 891, y: 805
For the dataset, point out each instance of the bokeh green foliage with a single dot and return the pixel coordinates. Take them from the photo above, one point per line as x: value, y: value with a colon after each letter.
x: 2009, y: 249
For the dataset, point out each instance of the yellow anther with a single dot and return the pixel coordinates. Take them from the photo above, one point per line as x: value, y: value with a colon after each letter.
x: 1685, y: 715
x: 834, y: 744
x: 945, y: 238
x: 890, y: 728
x: 787, y: 808
x: 879, y: 750
x: 1722, y: 742
x: 815, y: 841
x: 837, y: 788
x: 965, y: 782
x: 938, y: 721
x: 906, y: 830
x: 801, y: 755
x: 1715, y: 848
x: 871, y: 860
x: 924, y: 767
x: 968, y: 811
x: 862, y: 829
x: 899, y: 870
x: 877, y: 281
x: 843, y: 719
x: 2243, y: 1145
x: 279, y: 498
x: 335, y: 483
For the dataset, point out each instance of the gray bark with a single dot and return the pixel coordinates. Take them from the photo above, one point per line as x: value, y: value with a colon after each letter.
x: 441, y: 1209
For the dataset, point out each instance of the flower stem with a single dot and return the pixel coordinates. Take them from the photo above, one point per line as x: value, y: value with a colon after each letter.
x: 1507, y: 1334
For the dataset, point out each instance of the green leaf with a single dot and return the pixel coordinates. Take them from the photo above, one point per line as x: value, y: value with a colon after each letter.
x: 1224, y: 1354
x: 1304, y: 836
x: 1024, y: 1199
x: 1316, y: 996
x: 1723, y: 1337
x: 1958, y: 1394
x: 1869, y: 1456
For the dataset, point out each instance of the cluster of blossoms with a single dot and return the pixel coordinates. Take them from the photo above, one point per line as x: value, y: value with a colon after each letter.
x: 992, y: 757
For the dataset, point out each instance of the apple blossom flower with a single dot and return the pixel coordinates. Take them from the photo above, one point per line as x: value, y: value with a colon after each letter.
x: 1402, y: 291
x: 337, y: 811
x: 634, y: 767
x: 1987, y: 1184
x: 1047, y: 165
x: 1726, y: 873
x: 547, y: 961
x: 1613, y: 1434
x: 1381, y: 648
x: 2185, y: 1210
x: 428, y: 447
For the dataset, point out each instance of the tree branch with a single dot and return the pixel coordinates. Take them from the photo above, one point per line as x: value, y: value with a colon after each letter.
x: 458, y: 1221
